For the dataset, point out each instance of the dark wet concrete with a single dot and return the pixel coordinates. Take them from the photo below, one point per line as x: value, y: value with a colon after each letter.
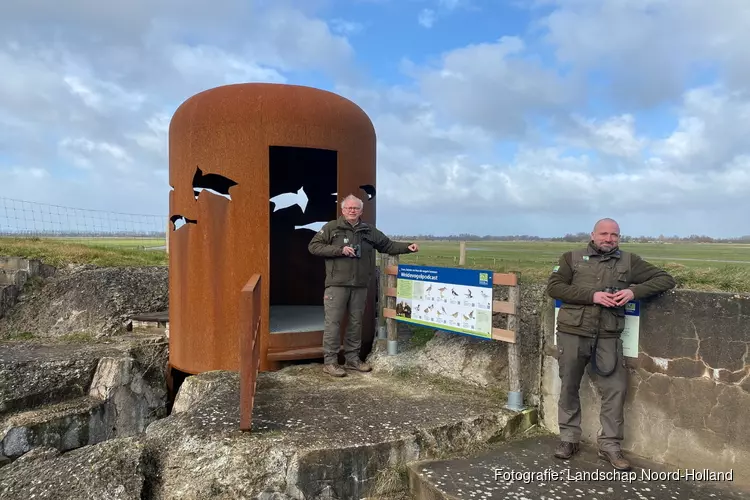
x: 526, y: 469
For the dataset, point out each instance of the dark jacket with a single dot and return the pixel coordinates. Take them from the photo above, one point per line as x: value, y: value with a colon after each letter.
x: 330, y: 241
x: 581, y: 273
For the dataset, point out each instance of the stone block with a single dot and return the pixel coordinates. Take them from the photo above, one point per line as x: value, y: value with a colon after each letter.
x: 689, y: 387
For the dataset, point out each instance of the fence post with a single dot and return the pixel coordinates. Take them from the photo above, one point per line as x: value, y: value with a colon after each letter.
x: 515, y: 396
x: 462, y: 253
x: 382, y: 298
x: 391, y: 325
x: 166, y: 236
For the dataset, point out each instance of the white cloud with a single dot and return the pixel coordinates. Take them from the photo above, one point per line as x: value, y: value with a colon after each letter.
x: 426, y: 18
x: 650, y: 47
x: 90, y: 91
x: 711, y: 132
x: 205, y: 63
x: 346, y: 28
x: 614, y: 136
x: 491, y: 137
x: 496, y: 86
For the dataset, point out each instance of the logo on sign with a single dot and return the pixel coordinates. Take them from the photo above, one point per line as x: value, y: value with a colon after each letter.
x: 484, y: 278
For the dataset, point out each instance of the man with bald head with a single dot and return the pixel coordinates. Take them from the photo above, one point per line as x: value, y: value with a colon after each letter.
x: 594, y: 284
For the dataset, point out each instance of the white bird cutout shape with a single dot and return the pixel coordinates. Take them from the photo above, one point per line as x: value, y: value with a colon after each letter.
x: 313, y: 226
x: 285, y: 200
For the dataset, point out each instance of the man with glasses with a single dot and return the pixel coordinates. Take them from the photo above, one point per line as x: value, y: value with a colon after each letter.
x: 348, y: 245
x: 594, y: 284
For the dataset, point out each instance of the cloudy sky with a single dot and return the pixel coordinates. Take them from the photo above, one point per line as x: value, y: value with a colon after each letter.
x: 536, y: 117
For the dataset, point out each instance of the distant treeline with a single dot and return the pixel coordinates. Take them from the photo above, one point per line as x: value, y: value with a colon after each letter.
x: 575, y: 238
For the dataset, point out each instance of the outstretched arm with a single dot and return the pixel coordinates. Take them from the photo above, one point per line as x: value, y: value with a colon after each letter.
x: 320, y: 244
x: 559, y: 284
x: 384, y: 244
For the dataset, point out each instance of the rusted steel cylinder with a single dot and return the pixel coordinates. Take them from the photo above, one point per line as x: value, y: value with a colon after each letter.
x: 233, y: 149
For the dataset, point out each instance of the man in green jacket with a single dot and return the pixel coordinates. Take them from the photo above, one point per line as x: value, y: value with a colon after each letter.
x: 348, y: 245
x: 594, y: 284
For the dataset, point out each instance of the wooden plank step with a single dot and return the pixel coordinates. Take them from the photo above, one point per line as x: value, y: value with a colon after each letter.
x: 158, y: 317
x: 295, y: 354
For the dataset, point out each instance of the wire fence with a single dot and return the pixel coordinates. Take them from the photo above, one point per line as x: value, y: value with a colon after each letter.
x: 25, y: 219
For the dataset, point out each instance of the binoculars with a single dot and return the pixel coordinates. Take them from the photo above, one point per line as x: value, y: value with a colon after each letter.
x: 357, y: 250
x: 611, y: 289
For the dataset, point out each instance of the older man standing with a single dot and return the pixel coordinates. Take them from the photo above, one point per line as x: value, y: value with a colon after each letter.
x: 594, y: 284
x: 348, y: 245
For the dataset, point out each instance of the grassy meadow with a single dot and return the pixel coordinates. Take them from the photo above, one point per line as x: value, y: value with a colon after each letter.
x: 99, y: 251
x: 700, y: 266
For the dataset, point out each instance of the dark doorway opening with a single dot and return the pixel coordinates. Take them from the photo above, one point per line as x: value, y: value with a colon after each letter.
x: 303, y: 184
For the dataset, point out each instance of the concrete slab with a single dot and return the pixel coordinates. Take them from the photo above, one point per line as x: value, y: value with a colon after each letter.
x: 40, y: 372
x: 314, y: 436
x: 526, y: 469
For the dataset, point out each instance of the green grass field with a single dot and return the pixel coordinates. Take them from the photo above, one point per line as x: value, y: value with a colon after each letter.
x: 700, y: 266
x: 697, y: 266
x: 98, y: 251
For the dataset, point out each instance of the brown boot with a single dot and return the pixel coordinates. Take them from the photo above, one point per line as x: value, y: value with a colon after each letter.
x: 615, y: 458
x: 358, y: 365
x: 566, y: 449
x: 334, y: 370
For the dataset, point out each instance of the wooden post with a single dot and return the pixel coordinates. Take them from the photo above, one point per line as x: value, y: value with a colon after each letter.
x: 166, y: 236
x: 391, y: 324
x: 249, y: 348
x: 515, y: 396
x: 382, y: 299
x: 462, y: 254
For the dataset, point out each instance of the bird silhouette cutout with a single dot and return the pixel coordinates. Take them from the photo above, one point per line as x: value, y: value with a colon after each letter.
x: 286, y: 200
x: 313, y: 226
x: 369, y: 189
x: 180, y: 220
x: 214, y: 183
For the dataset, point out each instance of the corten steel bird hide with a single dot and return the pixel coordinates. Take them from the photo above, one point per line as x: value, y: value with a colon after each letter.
x: 233, y: 149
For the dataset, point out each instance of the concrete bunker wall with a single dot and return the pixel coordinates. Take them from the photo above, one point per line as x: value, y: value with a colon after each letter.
x: 689, y: 394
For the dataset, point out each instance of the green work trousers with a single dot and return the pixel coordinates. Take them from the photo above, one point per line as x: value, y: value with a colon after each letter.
x: 574, y: 356
x: 337, y: 301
